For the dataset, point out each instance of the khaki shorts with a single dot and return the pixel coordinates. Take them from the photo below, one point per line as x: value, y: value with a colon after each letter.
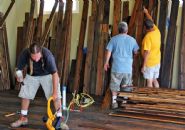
x: 119, y: 79
x: 32, y: 83
x: 151, y: 72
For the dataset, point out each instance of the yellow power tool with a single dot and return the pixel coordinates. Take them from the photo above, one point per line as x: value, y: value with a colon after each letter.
x: 51, y: 117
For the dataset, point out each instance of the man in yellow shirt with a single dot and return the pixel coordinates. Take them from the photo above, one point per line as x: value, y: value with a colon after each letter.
x: 151, y: 52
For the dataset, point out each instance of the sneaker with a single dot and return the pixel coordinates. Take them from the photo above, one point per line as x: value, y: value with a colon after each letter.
x: 114, y: 105
x: 57, y: 123
x: 21, y: 122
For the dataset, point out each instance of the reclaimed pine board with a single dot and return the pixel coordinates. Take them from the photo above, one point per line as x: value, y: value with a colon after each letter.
x: 125, y: 12
x: 79, y: 57
x: 147, y: 117
x: 97, y: 31
x: 38, y: 33
x: 66, y: 39
x: 137, y: 75
x: 88, y: 61
x: 131, y: 26
x: 58, y: 45
x: 28, y: 36
x: 48, y: 24
x: 6, y: 13
x: 100, y: 61
x: 5, y: 70
x: 167, y: 67
x: 116, y: 16
x: 4, y: 60
x: 162, y: 27
x: 181, y: 75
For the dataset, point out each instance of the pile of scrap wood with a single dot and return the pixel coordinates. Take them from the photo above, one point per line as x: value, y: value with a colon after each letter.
x: 166, y: 105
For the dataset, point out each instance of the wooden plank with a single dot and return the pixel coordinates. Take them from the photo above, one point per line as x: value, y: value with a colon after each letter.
x: 100, y: 60
x: 4, y: 63
x: 97, y: 31
x: 125, y: 12
x: 155, y: 11
x: 107, y: 100
x: 171, y: 108
x: 162, y: 28
x: 90, y: 49
x: 147, y: 117
x: 131, y: 26
x: 28, y: 36
x: 167, y: 67
x: 39, y: 22
x: 19, y: 41
x: 106, y: 12
x: 79, y: 57
x: 116, y: 16
x: 6, y: 13
x: 48, y: 23
x: 138, y: 79
x: 181, y: 75
x: 66, y: 39
x: 106, y: 75
x: 58, y: 27
x: 5, y: 70
x: 88, y: 61
x: 71, y: 76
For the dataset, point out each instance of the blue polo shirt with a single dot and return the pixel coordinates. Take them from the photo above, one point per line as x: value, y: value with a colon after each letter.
x: 122, y: 47
x: 46, y: 65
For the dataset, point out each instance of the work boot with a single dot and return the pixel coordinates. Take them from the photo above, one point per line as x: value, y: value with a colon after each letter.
x: 114, y: 105
x: 22, y: 121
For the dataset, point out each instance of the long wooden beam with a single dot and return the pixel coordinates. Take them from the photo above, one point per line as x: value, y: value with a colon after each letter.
x: 48, y: 23
x: 181, y: 75
x: 81, y: 45
x: 167, y: 67
x: 7, y: 12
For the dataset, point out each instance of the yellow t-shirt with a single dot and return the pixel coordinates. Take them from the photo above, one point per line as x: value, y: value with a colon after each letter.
x: 152, y: 43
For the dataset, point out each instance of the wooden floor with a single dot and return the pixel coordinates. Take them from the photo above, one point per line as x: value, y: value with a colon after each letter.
x: 90, y: 119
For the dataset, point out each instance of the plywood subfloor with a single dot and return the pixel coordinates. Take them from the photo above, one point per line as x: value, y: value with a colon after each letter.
x: 92, y: 118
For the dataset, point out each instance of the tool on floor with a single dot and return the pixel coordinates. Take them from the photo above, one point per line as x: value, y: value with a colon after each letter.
x: 12, y: 114
x: 82, y: 100
x: 51, y: 117
x: 52, y: 122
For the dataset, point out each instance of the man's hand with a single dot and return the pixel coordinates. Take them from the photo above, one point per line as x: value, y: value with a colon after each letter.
x: 143, y: 69
x: 19, y: 76
x: 145, y: 10
x: 106, y: 66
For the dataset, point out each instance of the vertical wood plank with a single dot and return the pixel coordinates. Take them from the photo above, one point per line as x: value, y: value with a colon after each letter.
x: 116, y: 16
x: 181, y: 82
x: 125, y: 12
x: 88, y: 61
x: 80, y: 46
x: 167, y: 67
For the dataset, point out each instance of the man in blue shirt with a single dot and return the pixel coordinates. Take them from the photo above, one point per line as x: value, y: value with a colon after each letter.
x: 121, y: 47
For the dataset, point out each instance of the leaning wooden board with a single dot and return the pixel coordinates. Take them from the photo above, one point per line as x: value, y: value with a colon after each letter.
x: 4, y: 61
x: 5, y: 71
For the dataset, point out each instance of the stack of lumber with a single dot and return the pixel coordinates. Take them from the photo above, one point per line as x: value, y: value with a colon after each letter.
x: 166, y: 105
